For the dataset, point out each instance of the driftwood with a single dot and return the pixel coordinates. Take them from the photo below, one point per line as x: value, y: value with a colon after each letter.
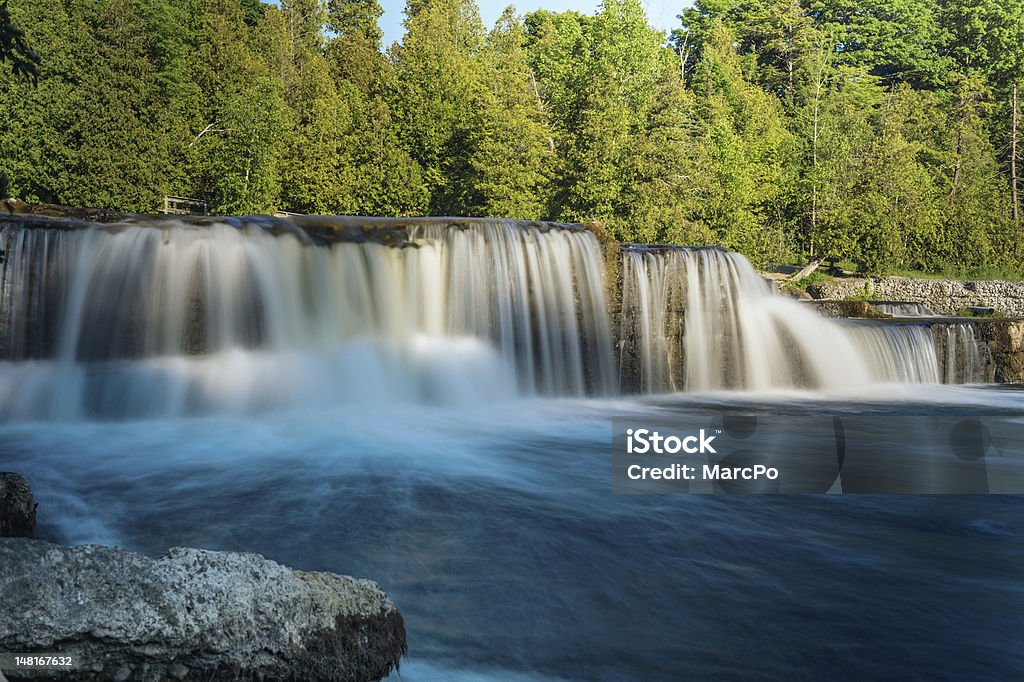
x: 807, y: 270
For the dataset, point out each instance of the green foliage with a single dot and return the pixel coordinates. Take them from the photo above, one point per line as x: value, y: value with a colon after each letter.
x: 513, y: 154
x: 802, y: 285
x: 355, y: 17
x: 14, y: 48
x: 438, y: 83
x: 876, y: 133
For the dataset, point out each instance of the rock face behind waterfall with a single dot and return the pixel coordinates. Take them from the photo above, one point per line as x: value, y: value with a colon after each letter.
x: 192, y: 615
x: 17, y: 507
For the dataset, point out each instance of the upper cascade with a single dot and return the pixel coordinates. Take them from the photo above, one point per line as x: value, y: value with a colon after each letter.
x: 237, y: 314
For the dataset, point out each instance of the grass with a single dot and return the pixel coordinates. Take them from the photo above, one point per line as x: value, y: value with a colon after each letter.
x: 866, y: 293
x: 966, y: 312
x: 815, y: 277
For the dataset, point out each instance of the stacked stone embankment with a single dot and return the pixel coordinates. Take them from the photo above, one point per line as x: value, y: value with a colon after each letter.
x: 943, y: 296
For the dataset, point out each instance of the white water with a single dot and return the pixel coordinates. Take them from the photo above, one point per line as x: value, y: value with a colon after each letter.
x: 135, y: 321
x: 963, y: 358
x: 237, y: 316
x: 904, y: 309
x: 700, y: 319
x: 491, y: 525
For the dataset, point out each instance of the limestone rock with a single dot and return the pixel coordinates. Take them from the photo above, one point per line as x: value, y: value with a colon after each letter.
x: 192, y: 615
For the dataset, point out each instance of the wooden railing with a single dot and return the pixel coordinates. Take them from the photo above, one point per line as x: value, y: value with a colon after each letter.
x: 184, y: 206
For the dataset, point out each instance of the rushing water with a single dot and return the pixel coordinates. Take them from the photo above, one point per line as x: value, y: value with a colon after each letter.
x: 142, y: 322
x: 495, y: 531
x: 904, y: 309
x: 699, y: 319
x: 435, y: 414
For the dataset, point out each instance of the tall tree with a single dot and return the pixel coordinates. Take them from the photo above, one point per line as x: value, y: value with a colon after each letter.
x: 513, y: 150
x: 748, y: 147
x: 14, y: 48
x: 438, y: 82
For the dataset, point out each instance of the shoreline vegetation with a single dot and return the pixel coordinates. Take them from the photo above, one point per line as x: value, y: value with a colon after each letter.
x: 787, y: 130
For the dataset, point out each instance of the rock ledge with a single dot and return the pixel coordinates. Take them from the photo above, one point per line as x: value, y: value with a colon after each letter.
x: 192, y: 615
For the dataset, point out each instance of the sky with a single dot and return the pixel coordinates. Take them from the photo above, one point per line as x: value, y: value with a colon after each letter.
x: 661, y: 13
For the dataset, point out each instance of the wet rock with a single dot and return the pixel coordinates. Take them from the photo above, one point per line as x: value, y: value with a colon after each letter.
x: 1005, y: 340
x: 192, y: 615
x: 17, y: 507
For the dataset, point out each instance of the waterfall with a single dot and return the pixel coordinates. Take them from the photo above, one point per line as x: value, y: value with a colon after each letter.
x: 896, y: 352
x: 963, y: 358
x: 699, y: 319
x: 157, y: 317
x: 167, y: 317
x: 904, y: 309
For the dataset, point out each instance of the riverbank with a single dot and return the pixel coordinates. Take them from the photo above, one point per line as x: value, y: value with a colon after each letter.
x: 941, y: 296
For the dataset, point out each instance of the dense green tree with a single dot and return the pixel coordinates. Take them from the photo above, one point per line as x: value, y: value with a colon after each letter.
x: 15, y: 49
x: 438, y: 85
x: 513, y: 150
x: 748, y: 143
x: 35, y: 149
x: 358, y: 17
x: 895, y: 40
x: 883, y: 133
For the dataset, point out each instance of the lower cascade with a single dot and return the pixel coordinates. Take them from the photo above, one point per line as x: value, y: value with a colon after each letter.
x: 702, y: 319
x: 156, y: 317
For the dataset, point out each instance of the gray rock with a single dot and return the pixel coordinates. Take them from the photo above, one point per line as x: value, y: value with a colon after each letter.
x: 193, y: 615
x: 17, y: 507
x: 1005, y: 340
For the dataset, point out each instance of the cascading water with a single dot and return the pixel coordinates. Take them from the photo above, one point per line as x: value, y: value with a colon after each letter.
x: 459, y: 512
x: 963, y: 359
x: 171, y: 317
x: 896, y: 352
x: 904, y: 309
x: 700, y: 319
x: 165, y: 317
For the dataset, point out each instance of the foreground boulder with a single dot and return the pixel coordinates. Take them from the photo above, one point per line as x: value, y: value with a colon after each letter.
x: 17, y: 507
x: 192, y: 615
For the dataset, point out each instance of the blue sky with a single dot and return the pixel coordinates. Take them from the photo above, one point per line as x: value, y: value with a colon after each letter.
x: 661, y: 13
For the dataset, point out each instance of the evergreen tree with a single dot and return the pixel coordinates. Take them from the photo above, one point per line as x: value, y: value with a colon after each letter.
x: 513, y: 152
x: 883, y: 133
x: 437, y: 88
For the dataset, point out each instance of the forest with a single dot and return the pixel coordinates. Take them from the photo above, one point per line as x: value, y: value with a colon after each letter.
x: 880, y: 133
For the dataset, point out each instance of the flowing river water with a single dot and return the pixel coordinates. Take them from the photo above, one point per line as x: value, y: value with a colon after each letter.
x: 435, y: 414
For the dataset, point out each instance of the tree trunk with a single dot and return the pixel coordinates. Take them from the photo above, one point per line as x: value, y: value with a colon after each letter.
x: 819, y: 84
x: 1013, y: 157
x: 956, y: 169
x: 684, y: 56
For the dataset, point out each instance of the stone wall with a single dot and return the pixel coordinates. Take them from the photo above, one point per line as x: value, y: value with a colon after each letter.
x: 944, y: 296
